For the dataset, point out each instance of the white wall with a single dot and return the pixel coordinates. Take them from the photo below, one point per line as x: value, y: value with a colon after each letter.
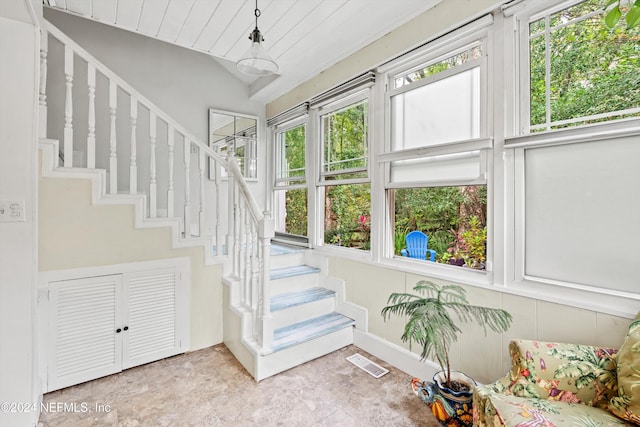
x: 19, y: 46
x: 485, y: 358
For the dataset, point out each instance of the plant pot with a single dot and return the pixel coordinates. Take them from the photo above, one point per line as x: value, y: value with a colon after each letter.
x: 459, y: 262
x: 452, y: 408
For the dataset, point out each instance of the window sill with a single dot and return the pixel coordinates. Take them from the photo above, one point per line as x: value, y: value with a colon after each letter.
x: 598, y: 300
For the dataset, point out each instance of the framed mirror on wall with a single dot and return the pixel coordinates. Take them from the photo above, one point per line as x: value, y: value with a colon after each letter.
x: 238, y: 133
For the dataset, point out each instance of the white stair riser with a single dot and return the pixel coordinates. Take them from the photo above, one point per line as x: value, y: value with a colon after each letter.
x: 280, y: 361
x: 294, y: 283
x: 288, y: 260
x: 303, y: 312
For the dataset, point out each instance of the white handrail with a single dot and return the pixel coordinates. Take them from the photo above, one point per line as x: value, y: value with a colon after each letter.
x: 234, y: 168
x: 81, y: 52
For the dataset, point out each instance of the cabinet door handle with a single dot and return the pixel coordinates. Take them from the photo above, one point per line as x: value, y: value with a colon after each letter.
x: 126, y: 328
x: 118, y: 330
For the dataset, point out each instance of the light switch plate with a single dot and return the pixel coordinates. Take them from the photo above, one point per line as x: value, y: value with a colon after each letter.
x: 12, y: 211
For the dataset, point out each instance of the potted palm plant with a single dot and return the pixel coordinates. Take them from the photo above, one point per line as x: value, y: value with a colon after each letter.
x: 432, y: 324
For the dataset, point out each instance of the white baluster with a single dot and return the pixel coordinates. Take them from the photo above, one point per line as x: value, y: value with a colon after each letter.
x: 201, y: 167
x: 255, y: 282
x: 187, y: 188
x: 133, y: 167
x: 241, y: 237
x: 91, y: 138
x: 68, y: 108
x: 42, y: 110
x: 170, y: 189
x: 247, y: 257
x: 153, y: 208
x: 113, y: 156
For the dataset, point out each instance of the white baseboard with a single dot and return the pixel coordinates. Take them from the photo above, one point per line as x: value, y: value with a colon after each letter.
x: 395, y: 355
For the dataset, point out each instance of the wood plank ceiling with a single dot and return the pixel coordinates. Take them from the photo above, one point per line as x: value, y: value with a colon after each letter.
x: 305, y: 37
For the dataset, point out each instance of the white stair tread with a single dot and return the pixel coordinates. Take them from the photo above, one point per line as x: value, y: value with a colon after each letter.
x: 291, y: 335
x: 279, y: 249
x: 292, y: 299
x: 281, y: 273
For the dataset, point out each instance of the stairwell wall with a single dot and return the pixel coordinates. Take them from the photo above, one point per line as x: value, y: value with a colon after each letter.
x: 182, y: 82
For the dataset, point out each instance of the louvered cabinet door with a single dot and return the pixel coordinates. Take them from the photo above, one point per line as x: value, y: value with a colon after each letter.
x: 84, y: 317
x: 152, y: 319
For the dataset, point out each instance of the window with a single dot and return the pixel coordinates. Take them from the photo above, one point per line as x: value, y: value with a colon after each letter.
x: 573, y: 164
x: 345, y: 142
x: 580, y: 71
x: 290, y: 180
x: 437, y: 158
x: 346, y: 192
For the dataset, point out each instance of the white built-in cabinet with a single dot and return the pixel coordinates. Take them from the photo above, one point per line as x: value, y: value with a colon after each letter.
x: 99, y: 321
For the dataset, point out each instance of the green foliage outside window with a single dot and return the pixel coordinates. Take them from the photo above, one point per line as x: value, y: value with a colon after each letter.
x: 593, y: 69
x: 454, y: 218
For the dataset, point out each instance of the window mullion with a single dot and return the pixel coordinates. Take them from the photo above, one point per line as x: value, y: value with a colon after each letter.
x: 547, y: 61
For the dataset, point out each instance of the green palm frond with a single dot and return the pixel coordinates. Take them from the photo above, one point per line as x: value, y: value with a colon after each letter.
x: 431, y: 318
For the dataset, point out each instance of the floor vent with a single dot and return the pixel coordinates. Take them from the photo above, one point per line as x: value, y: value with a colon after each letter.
x: 367, y: 365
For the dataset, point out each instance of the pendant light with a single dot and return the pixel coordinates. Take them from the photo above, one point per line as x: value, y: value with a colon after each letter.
x: 256, y: 61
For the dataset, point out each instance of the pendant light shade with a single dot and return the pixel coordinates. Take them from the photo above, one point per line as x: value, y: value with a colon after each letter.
x: 256, y: 61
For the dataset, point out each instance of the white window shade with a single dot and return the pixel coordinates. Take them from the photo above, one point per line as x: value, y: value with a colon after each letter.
x: 581, y: 213
x: 459, y: 167
x: 442, y: 111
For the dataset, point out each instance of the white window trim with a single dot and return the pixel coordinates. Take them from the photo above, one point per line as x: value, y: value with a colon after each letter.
x: 278, y: 129
x: 516, y: 281
x: 316, y: 197
x: 465, y: 38
x: 333, y: 106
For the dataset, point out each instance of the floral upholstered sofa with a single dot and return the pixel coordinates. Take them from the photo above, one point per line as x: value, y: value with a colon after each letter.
x: 553, y: 384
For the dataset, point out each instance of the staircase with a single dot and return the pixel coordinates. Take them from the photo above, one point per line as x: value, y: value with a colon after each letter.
x: 307, y: 309
x: 281, y: 308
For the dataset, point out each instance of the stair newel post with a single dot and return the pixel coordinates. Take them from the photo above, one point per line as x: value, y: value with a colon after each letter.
x: 153, y: 207
x: 42, y: 109
x: 266, y: 232
x: 91, y: 137
x: 187, y: 188
x: 170, y: 187
x: 68, y: 107
x: 201, y: 169
x: 113, y: 156
x: 133, y: 166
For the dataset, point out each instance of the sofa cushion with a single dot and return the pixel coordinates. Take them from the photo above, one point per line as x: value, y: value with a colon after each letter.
x: 565, y: 372
x: 498, y: 410
x: 627, y: 404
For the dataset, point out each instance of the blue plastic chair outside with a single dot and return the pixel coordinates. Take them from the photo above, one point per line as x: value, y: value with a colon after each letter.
x: 417, y: 246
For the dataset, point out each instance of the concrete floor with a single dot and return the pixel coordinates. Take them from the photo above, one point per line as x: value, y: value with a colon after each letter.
x: 210, y: 388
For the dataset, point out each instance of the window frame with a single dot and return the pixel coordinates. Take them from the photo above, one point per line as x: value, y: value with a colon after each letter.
x: 334, y: 106
x: 281, y: 183
x: 517, y: 141
x: 464, y: 39
x: 525, y: 14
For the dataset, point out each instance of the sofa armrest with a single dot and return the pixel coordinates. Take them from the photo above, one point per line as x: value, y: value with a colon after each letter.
x: 566, y: 372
